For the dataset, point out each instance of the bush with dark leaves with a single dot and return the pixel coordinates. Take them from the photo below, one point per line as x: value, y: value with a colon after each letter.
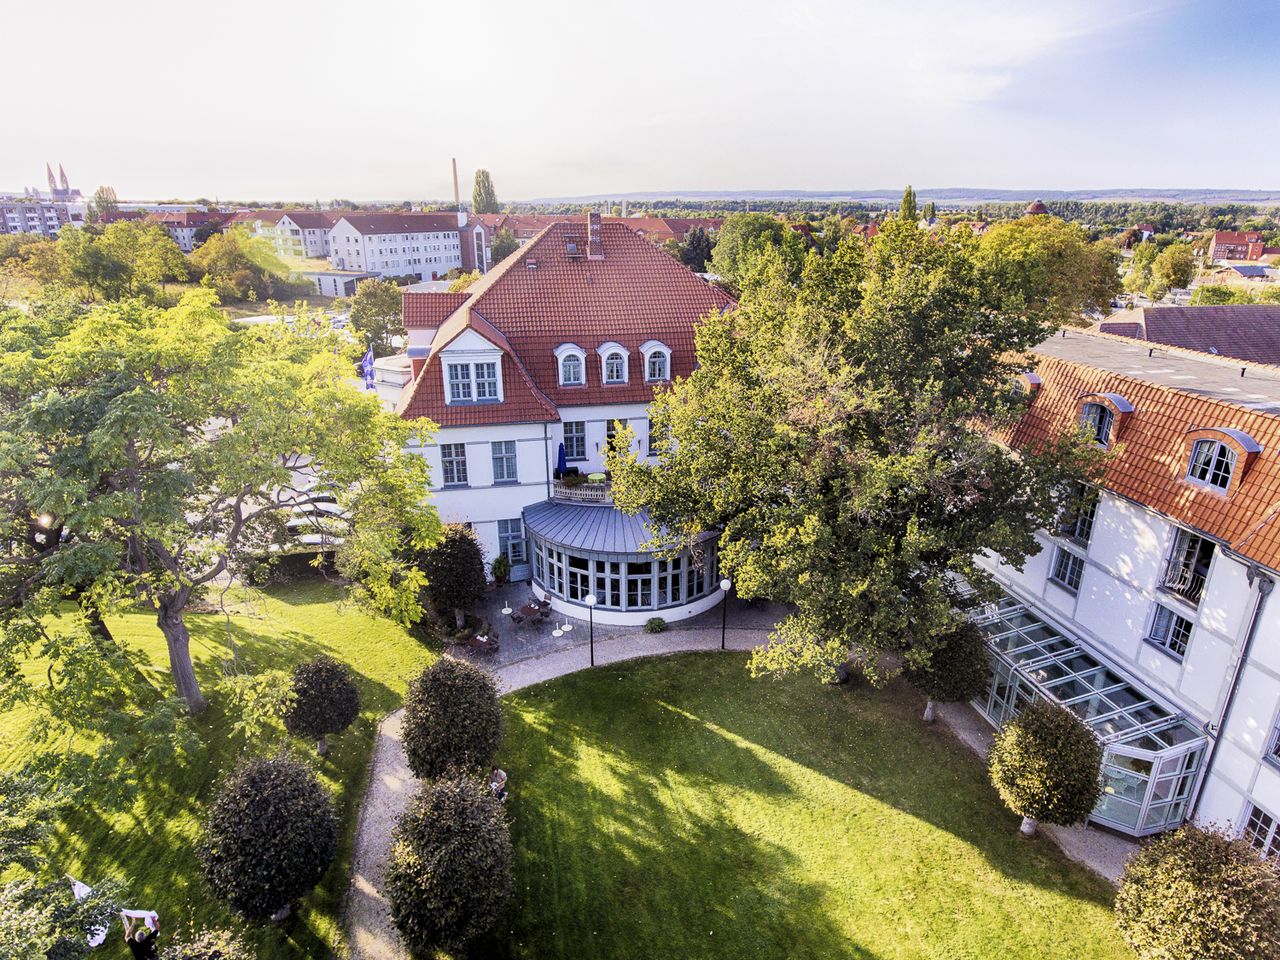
x: 452, y: 720
x: 324, y: 701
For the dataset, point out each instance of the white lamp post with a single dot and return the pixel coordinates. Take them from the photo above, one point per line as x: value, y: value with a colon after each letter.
x: 725, y: 584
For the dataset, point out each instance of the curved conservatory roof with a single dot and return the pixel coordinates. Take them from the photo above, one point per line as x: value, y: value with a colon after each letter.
x: 590, y: 528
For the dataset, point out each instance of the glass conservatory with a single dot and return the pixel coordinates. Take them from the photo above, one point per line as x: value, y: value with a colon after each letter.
x: 580, y: 550
x: 1153, y: 755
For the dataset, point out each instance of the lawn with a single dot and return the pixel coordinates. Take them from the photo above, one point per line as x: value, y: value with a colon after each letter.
x: 150, y: 842
x: 675, y: 807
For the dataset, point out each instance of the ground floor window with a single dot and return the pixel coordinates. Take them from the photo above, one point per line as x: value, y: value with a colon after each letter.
x: 622, y: 583
x: 1261, y: 831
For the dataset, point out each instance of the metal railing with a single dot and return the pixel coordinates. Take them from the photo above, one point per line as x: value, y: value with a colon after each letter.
x: 581, y: 492
x: 1184, y: 578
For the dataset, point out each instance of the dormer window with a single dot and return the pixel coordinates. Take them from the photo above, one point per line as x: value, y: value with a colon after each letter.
x: 1211, y: 464
x: 473, y: 382
x: 1096, y: 421
x: 657, y: 361
x: 613, y: 363
x: 615, y: 368
x: 571, y: 370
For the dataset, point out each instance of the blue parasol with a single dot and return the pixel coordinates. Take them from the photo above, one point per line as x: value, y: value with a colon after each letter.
x: 561, y: 463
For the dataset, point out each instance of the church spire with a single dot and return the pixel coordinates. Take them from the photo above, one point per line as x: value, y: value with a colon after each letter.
x: 62, y: 176
x: 48, y: 170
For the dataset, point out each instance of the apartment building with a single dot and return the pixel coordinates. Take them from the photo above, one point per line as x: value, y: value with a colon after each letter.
x: 529, y: 374
x: 1148, y: 612
x: 424, y: 245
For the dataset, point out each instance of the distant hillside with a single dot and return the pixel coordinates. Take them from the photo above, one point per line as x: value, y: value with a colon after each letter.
x: 943, y: 196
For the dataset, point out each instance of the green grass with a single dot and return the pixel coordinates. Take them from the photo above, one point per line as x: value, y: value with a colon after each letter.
x: 676, y: 808
x: 150, y: 843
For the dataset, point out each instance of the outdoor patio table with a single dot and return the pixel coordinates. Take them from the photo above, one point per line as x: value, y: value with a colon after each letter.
x: 531, y: 610
x: 595, y: 477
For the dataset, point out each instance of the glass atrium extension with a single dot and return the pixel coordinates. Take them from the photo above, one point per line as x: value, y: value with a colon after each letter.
x: 1153, y: 756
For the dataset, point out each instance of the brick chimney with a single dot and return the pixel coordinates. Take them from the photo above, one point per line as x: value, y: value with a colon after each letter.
x: 595, y: 246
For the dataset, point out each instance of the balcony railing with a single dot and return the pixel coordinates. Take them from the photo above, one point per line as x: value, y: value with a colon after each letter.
x: 581, y: 492
x: 1185, y: 579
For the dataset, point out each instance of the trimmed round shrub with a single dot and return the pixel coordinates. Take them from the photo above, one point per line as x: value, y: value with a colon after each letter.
x: 452, y: 720
x: 209, y: 945
x: 958, y: 669
x: 454, y: 568
x: 655, y: 625
x: 272, y: 833
x: 1046, y: 765
x: 325, y: 701
x: 1198, y: 894
x: 449, y: 874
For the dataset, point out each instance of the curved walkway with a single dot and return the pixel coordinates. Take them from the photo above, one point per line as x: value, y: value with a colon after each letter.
x: 371, y: 934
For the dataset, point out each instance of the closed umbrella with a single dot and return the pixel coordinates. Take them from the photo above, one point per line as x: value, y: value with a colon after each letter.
x: 562, y: 463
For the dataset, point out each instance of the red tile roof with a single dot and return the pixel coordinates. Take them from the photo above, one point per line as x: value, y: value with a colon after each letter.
x: 1152, y: 451
x: 313, y: 219
x: 187, y: 218
x: 367, y: 223
x: 251, y: 216
x: 1244, y: 331
x: 636, y: 293
x: 425, y: 310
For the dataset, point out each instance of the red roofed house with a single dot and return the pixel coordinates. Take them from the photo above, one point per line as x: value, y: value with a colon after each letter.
x: 183, y: 225
x: 528, y: 374
x: 1149, y: 613
x: 1237, y: 245
x: 424, y: 245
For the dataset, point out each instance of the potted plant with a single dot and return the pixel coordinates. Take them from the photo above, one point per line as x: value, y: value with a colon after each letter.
x: 501, y: 569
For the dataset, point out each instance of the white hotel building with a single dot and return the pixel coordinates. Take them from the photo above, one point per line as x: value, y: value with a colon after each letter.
x: 424, y: 245
x: 554, y: 349
x: 1148, y: 612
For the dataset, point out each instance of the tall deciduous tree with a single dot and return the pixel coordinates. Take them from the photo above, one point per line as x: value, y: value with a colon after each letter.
x: 1175, y: 266
x: 743, y: 235
x: 696, y: 250
x: 484, y: 198
x: 836, y: 433
x: 504, y: 245
x: 377, y: 314
x: 145, y: 453
x: 104, y: 203
x: 907, y: 209
x: 1048, y: 266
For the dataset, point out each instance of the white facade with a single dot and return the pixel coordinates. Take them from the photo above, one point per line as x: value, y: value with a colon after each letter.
x: 1125, y: 578
x: 289, y: 238
x: 428, y: 255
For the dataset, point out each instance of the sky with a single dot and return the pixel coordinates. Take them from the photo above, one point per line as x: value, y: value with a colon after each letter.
x: 264, y: 99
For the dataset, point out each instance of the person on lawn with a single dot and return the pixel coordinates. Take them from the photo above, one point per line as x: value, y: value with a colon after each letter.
x: 498, y: 784
x: 142, y: 943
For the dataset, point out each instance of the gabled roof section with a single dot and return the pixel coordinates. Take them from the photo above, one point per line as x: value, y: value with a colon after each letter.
x: 426, y: 310
x: 1249, y: 332
x: 375, y: 223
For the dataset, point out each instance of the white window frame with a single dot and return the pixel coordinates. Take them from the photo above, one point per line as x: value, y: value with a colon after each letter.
x: 446, y: 458
x: 607, y: 350
x: 506, y: 454
x: 513, y: 545
x: 580, y: 437
x: 1265, y: 838
x: 1166, y: 642
x: 1099, y: 427
x: 473, y: 383
x: 1065, y: 563
x: 1220, y: 459
x: 563, y: 352
x: 649, y: 350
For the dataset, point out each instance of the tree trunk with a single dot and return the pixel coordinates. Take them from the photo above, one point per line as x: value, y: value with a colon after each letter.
x: 1028, y: 827
x: 322, y: 745
x: 459, y: 617
x: 929, y: 710
x: 184, y: 675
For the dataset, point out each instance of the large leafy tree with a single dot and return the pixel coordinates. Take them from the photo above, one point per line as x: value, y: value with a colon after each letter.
x: 504, y: 245
x: 743, y: 236
x: 146, y: 453
x: 696, y: 250
x: 484, y: 198
x: 907, y: 209
x: 1048, y: 267
x: 377, y: 314
x: 122, y: 259
x: 1175, y: 266
x: 240, y: 267
x: 838, y: 433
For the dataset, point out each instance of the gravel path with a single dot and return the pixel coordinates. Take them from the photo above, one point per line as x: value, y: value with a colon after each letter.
x: 371, y: 933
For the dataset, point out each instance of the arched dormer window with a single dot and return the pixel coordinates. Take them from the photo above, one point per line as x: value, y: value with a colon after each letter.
x: 657, y: 361
x: 1211, y: 464
x: 1219, y: 457
x: 1096, y: 421
x: 613, y: 363
x: 571, y: 361
x: 1102, y: 416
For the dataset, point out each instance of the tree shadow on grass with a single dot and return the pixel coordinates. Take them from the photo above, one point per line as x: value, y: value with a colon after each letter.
x: 611, y: 866
x: 850, y: 762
